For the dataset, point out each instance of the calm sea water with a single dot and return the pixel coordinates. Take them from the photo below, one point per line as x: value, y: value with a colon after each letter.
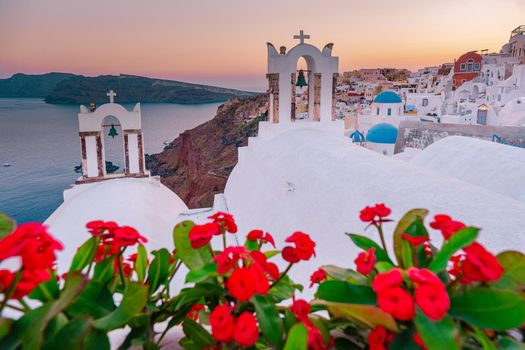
x: 41, y: 143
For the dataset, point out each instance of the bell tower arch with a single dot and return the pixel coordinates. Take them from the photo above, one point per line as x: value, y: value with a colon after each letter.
x: 92, y: 146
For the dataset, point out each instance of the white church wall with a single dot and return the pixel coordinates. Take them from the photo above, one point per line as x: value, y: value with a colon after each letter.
x: 133, y: 153
x: 91, y: 156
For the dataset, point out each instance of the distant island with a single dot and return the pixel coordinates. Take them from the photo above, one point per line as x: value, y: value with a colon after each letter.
x: 66, y: 88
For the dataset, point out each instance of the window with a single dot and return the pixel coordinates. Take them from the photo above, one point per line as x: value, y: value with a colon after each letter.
x: 389, y: 111
x: 425, y: 102
x: 476, y: 66
x: 462, y: 67
x: 377, y: 111
x: 482, y: 115
x: 470, y: 65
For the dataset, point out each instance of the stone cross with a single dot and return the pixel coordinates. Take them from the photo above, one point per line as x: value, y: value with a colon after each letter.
x: 111, y: 95
x: 301, y: 36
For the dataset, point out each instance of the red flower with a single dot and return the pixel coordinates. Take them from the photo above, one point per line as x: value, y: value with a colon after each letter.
x: 414, y: 241
x: 125, y: 236
x: 301, y: 309
x: 270, y: 268
x: 200, y: 235
x: 304, y: 245
x: 246, y: 332
x: 374, y: 214
x: 255, y: 235
x: 419, y: 341
x: 315, y: 338
x: 225, y: 222
x: 456, y: 269
x: 290, y: 254
x: 99, y: 228
x: 431, y: 295
x: 261, y: 281
x: 222, y: 323
x: 194, y: 312
x: 365, y: 261
x: 33, y: 244
x: 385, y: 280
x: 481, y: 265
x: 228, y: 259
x: 397, y: 302
x: 446, y: 225
x: 317, y: 277
x: 242, y: 283
x: 29, y: 280
x: 380, y: 338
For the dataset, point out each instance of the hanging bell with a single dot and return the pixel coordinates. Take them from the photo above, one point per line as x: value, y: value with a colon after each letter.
x: 301, y: 81
x: 112, y: 131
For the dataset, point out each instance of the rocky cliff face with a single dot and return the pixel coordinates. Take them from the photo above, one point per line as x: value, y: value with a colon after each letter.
x: 197, y: 164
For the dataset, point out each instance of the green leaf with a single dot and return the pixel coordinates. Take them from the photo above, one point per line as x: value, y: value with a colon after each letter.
x: 506, y: 343
x: 29, y: 329
x: 269, y: 320
x: 105, y: 270
x: 195, y: 276
x: 194, y: 259
x: 85, y: 255
x: 141, y: 263
x: 483, y: 339
x: 342, y: 274
x: 251, y: 245
x: 458, y: 240
x: 71, y: 336
x: 7, y: 225
x: 436, y: 335
x: 95, y: 300
x: 514, y: 276
x: 46, y: 291
x: 406, y: 253
x: 365, y: 316
x: 97, y: 340
x: 404, y: 341
x: 383, y: 266
x: 5, y: 327
x: 345, y: 292
x: 285, y: 289
x: 158, y: 271
x: 401, y: 227
x: 297, y: 338
x: 197, y: 333
x: 134, y: 300
x: 489, y: 308
x: 366, y: 243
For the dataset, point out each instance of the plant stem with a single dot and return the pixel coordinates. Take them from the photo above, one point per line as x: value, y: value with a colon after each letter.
x: 380, y: 229
x: 15, y: 308
x: 120, y: 268
x: 24, y: 304
x: 211, y: 249
x: 11, y: 289
x: 281, y: 276
x: 224, y: 241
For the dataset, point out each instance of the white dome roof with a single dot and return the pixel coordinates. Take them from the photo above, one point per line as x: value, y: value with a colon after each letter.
x: 144, y: 204
x: 310, y: 180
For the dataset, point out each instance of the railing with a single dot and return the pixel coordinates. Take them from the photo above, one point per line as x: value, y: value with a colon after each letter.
x: 498, y: 139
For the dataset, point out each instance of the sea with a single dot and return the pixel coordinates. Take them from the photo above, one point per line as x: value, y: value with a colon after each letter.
x: 40, y: 143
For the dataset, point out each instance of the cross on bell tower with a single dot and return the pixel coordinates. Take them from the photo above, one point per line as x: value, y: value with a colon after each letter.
x: 301, y: 36
x: 111, y: 95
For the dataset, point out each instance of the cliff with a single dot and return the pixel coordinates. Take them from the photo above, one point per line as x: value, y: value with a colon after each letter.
x: 129, y: 88
x: 197, y: 164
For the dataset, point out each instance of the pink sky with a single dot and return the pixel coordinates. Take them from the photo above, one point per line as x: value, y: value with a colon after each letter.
x: 223, y: 41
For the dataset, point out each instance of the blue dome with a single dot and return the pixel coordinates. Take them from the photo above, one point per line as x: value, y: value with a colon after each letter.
x: 357, y: 136
x: 388, y: 97
x: 382, y: 133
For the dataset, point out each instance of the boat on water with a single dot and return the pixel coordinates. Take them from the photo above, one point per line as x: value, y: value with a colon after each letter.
x: 7, y: 165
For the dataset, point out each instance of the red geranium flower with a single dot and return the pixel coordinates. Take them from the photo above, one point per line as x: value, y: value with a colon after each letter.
x: 29, y: 280
x: 315, y: 338
x: 290, y: 254
x: 222, y: 323
x: 397, y: 302
x: 446, y: 225
x: 481, y: 265
x: 365, y: 261
x: 439, y: 220
x: 242, y: 283
x: 374, y: 214
x: 256, y: 235
x: 261, y: 281
x: 200, y: 235
x: 301, y: 309
x: 304, y: 245
x: 423, y: 277
x: 125, y: 236
x: 270, y: 268
x: 228, y: 259
x: 225, y: 222
x: 317, y: 277
x: 419, y: 341
x: 433, y: 300
x: 415, y: 241
x: 385, y: 280
x: 194, y: 312
x: 99, y: 228
x: 246, y: 332
x: 456, y: 269
x: 379, y: 338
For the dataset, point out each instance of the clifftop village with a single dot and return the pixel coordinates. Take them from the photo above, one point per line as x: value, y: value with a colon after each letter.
x: 477, y: 88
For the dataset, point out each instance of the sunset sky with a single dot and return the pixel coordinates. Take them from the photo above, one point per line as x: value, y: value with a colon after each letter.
x: 223, y: 41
